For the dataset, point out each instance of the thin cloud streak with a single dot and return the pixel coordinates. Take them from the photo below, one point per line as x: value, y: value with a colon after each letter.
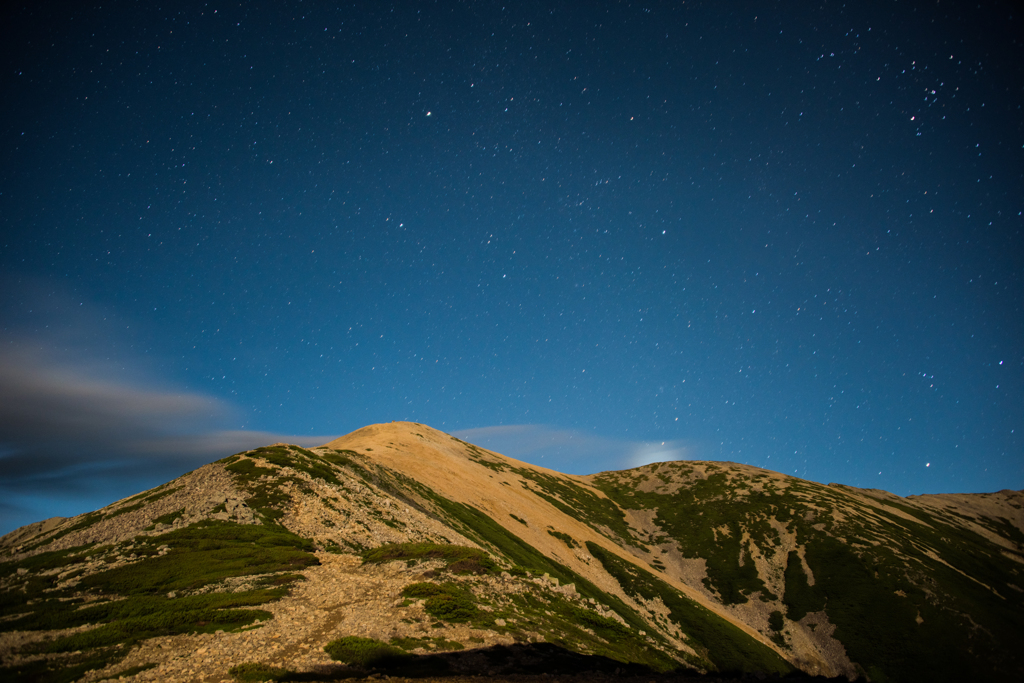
x: 72, y: 439
x: 62, y: 427
x: 571, y: 451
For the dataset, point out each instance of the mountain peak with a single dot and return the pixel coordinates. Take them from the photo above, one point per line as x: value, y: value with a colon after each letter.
x: 411, y: 542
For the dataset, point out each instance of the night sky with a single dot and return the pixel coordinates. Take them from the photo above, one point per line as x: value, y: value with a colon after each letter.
x: 587, y: 235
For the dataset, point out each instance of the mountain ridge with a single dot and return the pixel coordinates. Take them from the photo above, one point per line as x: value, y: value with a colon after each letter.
x: 689, y: 566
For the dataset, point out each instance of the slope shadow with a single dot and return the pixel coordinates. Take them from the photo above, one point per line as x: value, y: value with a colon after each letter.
x: 521, y: 659
x: 497, y: 660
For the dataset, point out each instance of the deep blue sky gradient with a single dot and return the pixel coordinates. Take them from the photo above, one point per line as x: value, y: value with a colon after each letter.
x: 784, y: 236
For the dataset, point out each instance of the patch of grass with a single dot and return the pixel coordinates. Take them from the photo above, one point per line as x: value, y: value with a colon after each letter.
x: 519, y: 519
x: 798, y: 598
x: 170, y: 517
x: 579, y: 502
x: 249, y: 470
x: 280, y: 580
x: 526, y: 558
x: 256, y: 671
x: 606, y: 627
x: 299, y: 459
x: 341, y: 458
x: 481, y: 458
x: 129, y: 508
x: 265, y: 496
x: 161, y: 492
x: 204, y: 553
x: 428, y: 643
x: 564, y: 538
x: 459, y: 559
x: 729, y: 649
x: 65, y: 670
x: 86, y: 521
x: 126, y: 622
x: 563, y: 622
x: 364, y: 653
x: 138, y: 604
x: 702, y: 519
x: 45, y: 561
x: 444, y: 601
x: 900, y: 613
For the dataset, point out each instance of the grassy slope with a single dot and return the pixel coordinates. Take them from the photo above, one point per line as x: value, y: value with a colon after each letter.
x: 722, y: 646
x: 875, y: 574
x: 901, y: 614
x: 139, y: 600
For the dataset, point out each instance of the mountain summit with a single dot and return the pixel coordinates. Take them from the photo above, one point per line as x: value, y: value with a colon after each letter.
x: 404, y: 550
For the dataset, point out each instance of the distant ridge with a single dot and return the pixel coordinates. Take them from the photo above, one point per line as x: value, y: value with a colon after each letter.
x: 402, y: 549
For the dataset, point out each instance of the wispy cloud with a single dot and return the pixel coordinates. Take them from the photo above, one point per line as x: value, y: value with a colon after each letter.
x: 58, y: 418
x: 84, y: 422
x: 571, y: 451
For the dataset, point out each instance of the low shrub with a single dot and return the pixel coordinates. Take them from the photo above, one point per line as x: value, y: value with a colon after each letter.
x: 444, y: 601
x: 439, y: 644
x: 459, y: 559
x: 363, y: 652
x: 564, y: 538
x: 606, y: 627
x: 255, y: 671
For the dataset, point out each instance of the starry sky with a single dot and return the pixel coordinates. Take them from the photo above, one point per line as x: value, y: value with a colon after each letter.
x: 587, y: 235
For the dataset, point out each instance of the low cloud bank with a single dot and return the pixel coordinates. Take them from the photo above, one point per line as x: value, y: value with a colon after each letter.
x: 70, y: 433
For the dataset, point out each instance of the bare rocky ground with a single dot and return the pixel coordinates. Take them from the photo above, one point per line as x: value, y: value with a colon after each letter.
x: 341, y: 597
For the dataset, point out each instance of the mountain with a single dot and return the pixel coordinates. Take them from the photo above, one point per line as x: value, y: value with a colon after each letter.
x: 403, y: 549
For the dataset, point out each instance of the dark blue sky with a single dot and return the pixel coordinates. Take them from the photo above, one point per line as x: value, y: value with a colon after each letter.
x: 791, y: 238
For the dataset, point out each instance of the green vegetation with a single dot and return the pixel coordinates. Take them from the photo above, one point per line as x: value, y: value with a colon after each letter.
x: 553, y: 616
x: 799, y: 597
x: 428, y: 643
x: 606, y: 627
x: 248, y: 469
x: 481, y: 458
x: 299, y: 459
x: 129, y: 508
x: 341, y: 458
x: 160, y: 492
x: 69, y: 668
x: 702, y: 519
x: 518, y: 519
x: 724, y: 645
x: 539, y: 610
x: 170, y: 517
x: 458, y: 559
x: 900, y: 612
x: 86, y: 521
x: 363, y: 652
x: 564, y: 538
x: 254, y: 671
x: 776, y: 622
x: 204, y: 553
x: 126, y: 622
x: 579, y: 502
x: 444, y: 601
x: 266, y: 497
x: 141, y: 600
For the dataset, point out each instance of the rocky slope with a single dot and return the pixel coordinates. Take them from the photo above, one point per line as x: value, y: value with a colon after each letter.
x: 454, y: 559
